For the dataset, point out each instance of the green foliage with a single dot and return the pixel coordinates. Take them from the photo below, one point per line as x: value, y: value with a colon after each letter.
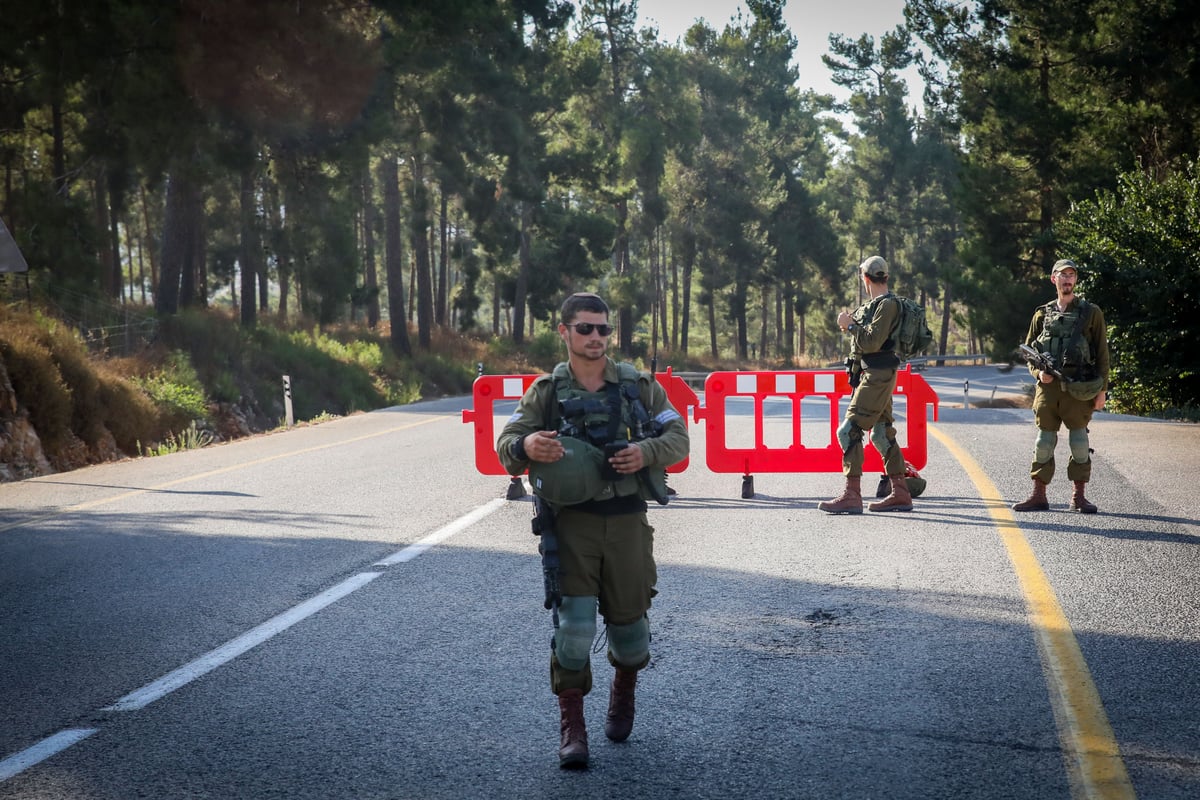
x: 546, y: 349
x: 177, y: 389
x: 364, y: 353
x: 1138, y: 248
x: 190, y: 438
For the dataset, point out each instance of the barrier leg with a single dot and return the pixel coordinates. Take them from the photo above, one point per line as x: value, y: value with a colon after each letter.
x: 516, y: 489
x: 747, y: 487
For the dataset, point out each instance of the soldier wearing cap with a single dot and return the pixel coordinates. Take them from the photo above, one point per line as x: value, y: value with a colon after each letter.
x: 873, y: 363
x: 576, y: 431
x: 1070, y: 331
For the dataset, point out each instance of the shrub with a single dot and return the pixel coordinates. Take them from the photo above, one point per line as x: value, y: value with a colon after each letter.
x: 39, y: 387
x: 129, y: 414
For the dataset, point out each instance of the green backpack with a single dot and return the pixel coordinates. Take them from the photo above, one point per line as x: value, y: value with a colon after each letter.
x: 912, y: 336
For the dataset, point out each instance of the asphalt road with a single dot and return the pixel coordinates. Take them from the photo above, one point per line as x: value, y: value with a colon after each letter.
x: 352, y: 610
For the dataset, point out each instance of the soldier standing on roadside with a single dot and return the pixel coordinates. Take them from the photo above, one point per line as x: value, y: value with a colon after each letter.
x: 1071, y: 331
x: 873, y: 363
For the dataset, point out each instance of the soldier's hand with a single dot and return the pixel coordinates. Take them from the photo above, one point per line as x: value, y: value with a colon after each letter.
x: 1098, y: 405
x: 543, y: 446
x: 629, y: 460
x: 1045, y: 377
x: 844, y: 319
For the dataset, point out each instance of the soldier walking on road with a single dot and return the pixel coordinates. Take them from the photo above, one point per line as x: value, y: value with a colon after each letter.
x: 872, y: 364
x: 596, y: 437
x: 1070, y: 332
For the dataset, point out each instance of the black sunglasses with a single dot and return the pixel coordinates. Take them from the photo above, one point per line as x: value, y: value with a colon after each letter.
x: 586, y: 328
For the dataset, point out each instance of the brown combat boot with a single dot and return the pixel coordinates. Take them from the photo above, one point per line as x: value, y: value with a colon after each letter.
x: 619, y: 722
x: 849, y: 503
x: 573, y: 751
x: 899, y: 500
x: 1036, y: 501
x: 1079, y: 502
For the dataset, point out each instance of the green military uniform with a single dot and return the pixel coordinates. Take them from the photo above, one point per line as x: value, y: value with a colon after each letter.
x: 870, y: 410
x: 1076, y: 339
x: 605, y: 541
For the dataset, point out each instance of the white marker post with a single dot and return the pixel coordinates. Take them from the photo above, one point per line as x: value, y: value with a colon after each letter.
x: 287, y: 400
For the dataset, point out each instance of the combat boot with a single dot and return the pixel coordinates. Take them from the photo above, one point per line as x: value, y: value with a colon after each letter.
x: 573, y: 750
x: 849, y: 503
x: 1079, y: 502
x: 899, y: 500
x: 619, y: 722
x: 1036, y: 501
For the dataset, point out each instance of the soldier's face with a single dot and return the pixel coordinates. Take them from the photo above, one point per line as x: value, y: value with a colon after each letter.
x: 591, y: 345
x: 1065, y: 281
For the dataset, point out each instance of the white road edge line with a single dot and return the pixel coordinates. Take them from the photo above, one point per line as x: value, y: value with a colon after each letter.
x: 39, y: 752
x: 417, y: 548
x: 140, y: 698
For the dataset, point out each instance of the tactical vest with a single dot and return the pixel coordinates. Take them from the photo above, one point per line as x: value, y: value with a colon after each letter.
x: 863, y: 315
x: 1062, y: 338
x: 613, y: 416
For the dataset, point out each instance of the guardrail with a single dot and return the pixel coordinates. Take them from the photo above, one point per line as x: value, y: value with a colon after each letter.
x: 920, y: 362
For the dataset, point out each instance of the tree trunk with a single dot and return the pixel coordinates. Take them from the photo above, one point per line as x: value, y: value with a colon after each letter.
x: 789, y: 325
x: 689, y: 264
x: 621, y: 256
x: 389, y: 176
x: 420, y: 220
x: 371, y: 276
x: 944, y: 339
x: 114, y: 236
x: 764, y: 322
x: 523, y: 268
x: 195, y: 271
x: 108, y: 284
x: 712, y: 326
x: 250, y: 247
x: 175, y: 245
x: 141, y: 267
x: 148, y: 238
x: 443, y: 290
x: 277, y: 234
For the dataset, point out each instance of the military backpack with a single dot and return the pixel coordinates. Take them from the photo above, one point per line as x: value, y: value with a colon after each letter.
x: 912, y: 335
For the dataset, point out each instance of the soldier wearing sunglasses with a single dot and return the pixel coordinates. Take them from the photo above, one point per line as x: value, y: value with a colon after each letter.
x: 595, y: 436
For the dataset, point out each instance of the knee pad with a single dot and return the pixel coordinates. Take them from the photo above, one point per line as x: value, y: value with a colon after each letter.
x: 1078, y: 439
x: 879, y: 439
x: 1043, y: 448
x: 575, y: 632
x: 629, y: 645
x: 848, y: 434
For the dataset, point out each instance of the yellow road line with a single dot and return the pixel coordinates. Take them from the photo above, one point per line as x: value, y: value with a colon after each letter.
x: 200, y: 475
x: 1094, y: 763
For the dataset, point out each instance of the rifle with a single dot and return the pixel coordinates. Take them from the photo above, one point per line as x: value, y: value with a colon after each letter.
x: 853, y: 371
x: 1040, y: 360
x: 543, y: 526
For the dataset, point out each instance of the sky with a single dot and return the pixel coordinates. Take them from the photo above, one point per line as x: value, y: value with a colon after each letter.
x: 810, y: 21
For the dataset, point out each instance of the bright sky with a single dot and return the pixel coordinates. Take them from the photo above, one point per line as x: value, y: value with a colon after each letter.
x: 810, y: 21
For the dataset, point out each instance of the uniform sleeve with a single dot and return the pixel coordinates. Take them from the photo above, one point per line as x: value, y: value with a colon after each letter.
x: 874, y: 334
x: 529, y: 417
x: 1035, y: 330
x: 674, y: 443
x: 1098, y: 341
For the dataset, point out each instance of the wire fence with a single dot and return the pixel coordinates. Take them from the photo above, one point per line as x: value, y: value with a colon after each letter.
x: 106, y: 326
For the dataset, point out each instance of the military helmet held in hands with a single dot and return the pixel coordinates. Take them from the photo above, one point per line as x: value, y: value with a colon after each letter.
x: 574, y: 478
